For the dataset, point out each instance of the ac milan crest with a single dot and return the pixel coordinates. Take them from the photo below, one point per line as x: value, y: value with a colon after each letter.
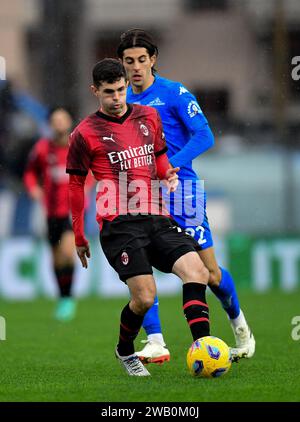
x: 144, y: 129
x: 124, y: 258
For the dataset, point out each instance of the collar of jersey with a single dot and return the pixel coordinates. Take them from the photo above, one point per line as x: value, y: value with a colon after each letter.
x: 148, y: 90
x: 119, y: 120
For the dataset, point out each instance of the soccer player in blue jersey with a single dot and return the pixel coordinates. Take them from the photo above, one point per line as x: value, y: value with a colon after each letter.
x: 188, y: 135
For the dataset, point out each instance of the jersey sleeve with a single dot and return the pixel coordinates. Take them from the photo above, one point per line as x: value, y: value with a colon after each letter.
x: 187, y: 109
x: 33, y: 167
x: 79, y: 155
x: 160, y: 145
x: 162, y: 166
x: 76, y: 199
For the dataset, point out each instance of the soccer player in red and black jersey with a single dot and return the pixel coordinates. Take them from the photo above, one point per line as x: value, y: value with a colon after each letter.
x: 124, y: 146
x: 45, y: 180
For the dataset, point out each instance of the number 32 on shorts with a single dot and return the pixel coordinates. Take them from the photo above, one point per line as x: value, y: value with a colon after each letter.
x: 197, y: 233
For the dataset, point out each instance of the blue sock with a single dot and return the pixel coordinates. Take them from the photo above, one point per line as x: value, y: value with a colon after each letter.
x: 227, y: 294
x: 151, y: 323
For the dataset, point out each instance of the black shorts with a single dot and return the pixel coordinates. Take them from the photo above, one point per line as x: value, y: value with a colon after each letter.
x: 57, y: 226
x: 133, y: 244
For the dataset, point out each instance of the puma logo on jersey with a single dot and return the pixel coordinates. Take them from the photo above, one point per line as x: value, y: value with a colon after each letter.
x: 107, y: 138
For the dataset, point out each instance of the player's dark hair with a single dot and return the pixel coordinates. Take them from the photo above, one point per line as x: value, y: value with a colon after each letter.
x: 108, y: 70
x: 54, y: 109
x: 137, y: 38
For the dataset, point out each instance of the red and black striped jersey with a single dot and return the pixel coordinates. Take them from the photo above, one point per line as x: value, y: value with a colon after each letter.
x: 46, y: 166
x: 121, y: 153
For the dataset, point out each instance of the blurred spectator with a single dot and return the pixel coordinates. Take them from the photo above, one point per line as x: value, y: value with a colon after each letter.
x: 6, y: 108
x: 22, y: 120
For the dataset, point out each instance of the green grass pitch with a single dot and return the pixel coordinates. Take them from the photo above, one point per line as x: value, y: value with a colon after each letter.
x: 43, y: 360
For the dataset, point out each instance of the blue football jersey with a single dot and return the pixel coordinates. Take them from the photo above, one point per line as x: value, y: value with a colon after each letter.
x: 185, y: 126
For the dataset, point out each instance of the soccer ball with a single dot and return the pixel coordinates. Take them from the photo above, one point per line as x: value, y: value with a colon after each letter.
x: 208, y: 357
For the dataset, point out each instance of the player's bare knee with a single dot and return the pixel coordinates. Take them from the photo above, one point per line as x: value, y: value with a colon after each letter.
x: 198, y: 273
x: 66, y: 246
x: 68, y: 253
x: 142, y: 303
x: 64, y: 261
x: 68, y: 258
x: 202, y: 274
x: 148, y: 302
x: 64, y: 255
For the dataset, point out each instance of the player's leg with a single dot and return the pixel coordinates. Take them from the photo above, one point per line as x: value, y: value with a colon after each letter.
x: 155, y: 349
x: 221, y: 282
x: 194, y: 276
x: 121, y: 242
x: 174, y: 251
x: 142, y: 291
x: 152, y: 325
x: 63, y: 258
x: 222, y: 285
x: 63, y: 253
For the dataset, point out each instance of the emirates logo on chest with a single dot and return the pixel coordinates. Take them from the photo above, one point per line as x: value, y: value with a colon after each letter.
x: 124, y: 258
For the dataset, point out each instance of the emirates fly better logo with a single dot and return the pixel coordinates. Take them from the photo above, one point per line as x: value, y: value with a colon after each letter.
x: 133, y: 157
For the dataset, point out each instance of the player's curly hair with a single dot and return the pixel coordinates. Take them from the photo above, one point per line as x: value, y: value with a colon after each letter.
x: 137, y: 38
x: 108, y: 70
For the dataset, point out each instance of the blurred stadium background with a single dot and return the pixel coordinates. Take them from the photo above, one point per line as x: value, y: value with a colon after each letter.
x: 235, y: 55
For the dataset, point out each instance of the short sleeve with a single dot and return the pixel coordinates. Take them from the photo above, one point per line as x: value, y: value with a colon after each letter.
x: 79, y: 155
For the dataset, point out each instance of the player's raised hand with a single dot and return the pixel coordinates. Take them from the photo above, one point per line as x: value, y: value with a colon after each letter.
x: 83, y: 253
x: 172, y: 179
